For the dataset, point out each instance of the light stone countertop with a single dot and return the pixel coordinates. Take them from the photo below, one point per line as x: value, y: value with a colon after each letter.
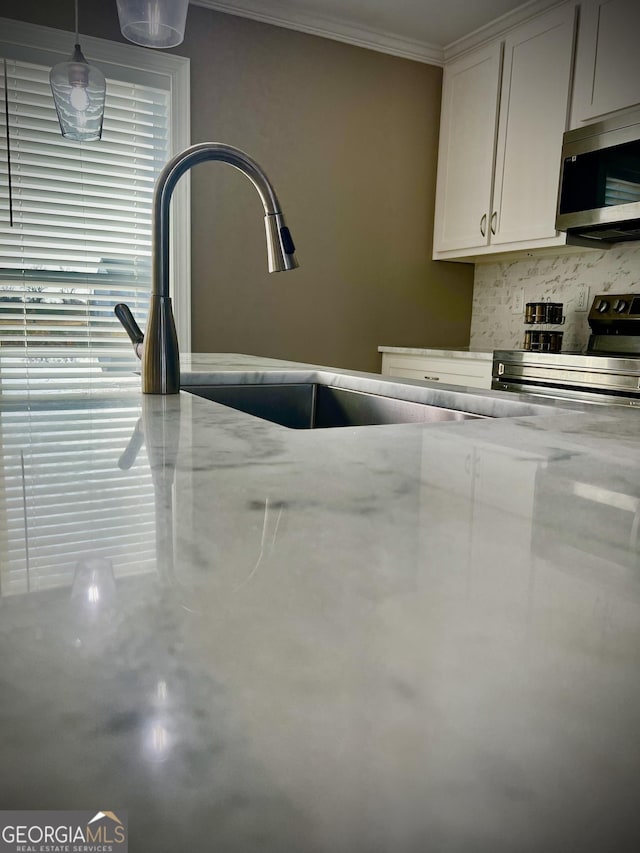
x: 476, y: 353
x: 389, y: 639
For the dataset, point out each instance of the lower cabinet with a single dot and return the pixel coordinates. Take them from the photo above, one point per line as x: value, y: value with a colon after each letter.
x: 472, y: 371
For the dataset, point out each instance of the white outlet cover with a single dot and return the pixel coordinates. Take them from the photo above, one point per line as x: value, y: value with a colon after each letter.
x: 582, y: 298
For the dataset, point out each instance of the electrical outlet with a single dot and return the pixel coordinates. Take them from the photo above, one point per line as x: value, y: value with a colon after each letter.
x: 517, y: 301
x: 582, y: 299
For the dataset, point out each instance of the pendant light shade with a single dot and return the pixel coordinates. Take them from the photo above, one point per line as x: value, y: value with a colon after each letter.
x: 153, y: 23
x: 79, y: 91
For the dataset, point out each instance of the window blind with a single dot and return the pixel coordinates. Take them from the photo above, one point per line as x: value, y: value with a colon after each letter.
x: 81, y: 240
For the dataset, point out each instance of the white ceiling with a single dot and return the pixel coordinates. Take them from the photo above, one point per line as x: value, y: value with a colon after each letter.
x: 426, y: 30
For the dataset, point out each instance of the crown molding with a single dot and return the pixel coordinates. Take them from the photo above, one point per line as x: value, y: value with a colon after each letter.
x: 500, y: 26
x: 384, y: 42
x: 331, y: 28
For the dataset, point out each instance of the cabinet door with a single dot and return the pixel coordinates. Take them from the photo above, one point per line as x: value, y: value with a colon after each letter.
x: 607, y: 74
x: 467, y: 146
x: 534, y: 110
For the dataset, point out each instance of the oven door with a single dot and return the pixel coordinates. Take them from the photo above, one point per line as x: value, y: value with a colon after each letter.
x: 607, y: 380
x: 554, y: 393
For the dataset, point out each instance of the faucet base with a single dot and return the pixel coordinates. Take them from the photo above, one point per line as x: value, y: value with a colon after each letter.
x: 160, y: 359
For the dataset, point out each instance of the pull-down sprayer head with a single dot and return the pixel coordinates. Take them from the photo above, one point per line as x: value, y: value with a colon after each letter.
x: 280, y: 248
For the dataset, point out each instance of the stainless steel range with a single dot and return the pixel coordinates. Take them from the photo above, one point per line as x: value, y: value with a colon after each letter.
x: 608, y: 372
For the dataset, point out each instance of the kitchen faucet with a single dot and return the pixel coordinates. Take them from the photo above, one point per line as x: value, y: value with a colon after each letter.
x: 159, y: 348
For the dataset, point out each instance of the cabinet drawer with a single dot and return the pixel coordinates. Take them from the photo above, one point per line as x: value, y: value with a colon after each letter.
x: 452, y: 371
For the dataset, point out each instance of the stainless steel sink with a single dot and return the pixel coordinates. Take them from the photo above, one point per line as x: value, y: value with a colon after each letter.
x: 311, y: 405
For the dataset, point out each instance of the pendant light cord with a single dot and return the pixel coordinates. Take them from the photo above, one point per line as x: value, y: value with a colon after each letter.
x: 77, y: 28
x: 6, y: 116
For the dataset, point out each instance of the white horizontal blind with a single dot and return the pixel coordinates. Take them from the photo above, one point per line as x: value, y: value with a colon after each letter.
x: 81, y: 240
x: 66, y: 497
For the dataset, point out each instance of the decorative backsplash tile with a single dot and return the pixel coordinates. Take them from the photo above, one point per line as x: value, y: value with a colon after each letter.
x: 553, y: 279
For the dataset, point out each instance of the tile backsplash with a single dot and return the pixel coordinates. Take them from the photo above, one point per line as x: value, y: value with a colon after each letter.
x: 553, y: 279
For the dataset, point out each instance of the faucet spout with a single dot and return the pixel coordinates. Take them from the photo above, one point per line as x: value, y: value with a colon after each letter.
x: 161, y: 360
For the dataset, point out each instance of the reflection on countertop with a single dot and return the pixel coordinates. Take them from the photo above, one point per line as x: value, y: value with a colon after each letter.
x: 395, y: 638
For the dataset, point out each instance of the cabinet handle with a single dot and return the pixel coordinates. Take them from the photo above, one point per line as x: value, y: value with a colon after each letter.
x: 483, y: 225
x: 433, y: 378
x: 494, y: 220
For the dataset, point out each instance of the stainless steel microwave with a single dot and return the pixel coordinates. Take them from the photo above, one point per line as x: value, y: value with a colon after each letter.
x: 599, y: 195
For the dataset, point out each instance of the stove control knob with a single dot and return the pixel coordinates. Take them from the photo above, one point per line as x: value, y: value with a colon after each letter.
x: 603, y: 306
x: 620, y: 306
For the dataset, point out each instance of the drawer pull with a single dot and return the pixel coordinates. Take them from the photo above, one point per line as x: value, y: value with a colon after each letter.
x: 433, y: 378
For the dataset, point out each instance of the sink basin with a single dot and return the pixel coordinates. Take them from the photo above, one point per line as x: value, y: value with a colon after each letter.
x: 310, y: 405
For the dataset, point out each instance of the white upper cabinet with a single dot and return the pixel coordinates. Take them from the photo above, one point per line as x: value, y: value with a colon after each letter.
x: 505, y: 108
x: 607, y: 77
x: 534, y: 108
x: 467, y: 146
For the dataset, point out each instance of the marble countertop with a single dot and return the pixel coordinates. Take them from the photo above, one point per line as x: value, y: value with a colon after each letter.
x: 477, y: 353
x: 388, y: 639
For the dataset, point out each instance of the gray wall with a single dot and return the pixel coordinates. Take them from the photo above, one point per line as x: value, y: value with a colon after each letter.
x: 349, y: 138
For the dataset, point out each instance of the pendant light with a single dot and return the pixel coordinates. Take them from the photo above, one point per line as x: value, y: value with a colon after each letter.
x: 153, y: 23
x: 79, y: 91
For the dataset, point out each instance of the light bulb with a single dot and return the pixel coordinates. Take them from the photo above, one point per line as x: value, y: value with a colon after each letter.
x: 79, y: 97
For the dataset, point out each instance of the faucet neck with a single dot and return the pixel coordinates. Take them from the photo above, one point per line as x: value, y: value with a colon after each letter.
x: 166, y: 184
